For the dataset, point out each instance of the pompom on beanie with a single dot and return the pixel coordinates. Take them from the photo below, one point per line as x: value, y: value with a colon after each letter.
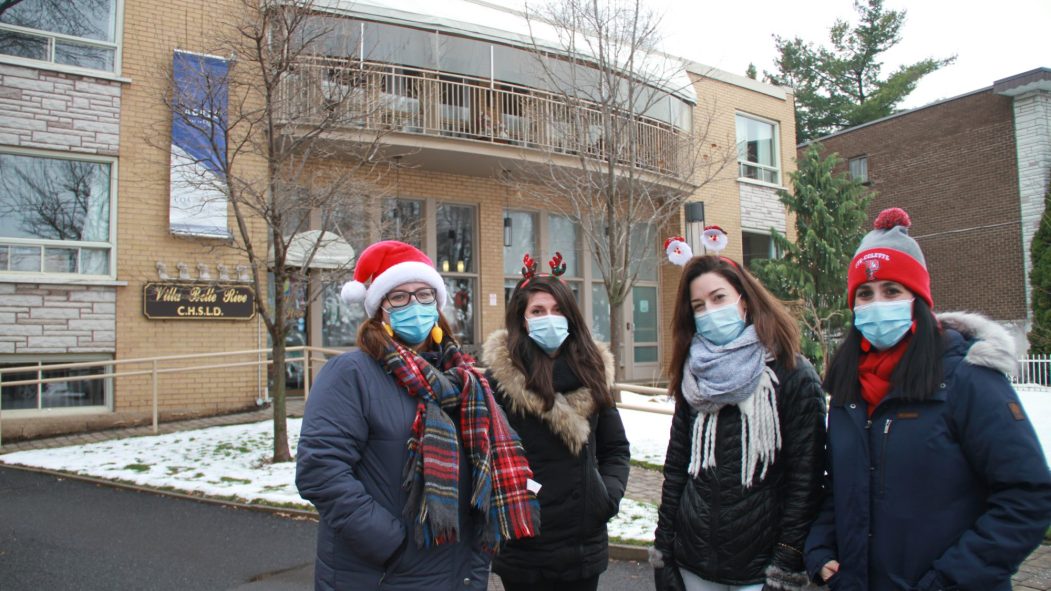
x: 888, y: 253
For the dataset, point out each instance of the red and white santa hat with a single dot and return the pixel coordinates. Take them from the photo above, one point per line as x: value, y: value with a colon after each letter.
x: 386, y: 265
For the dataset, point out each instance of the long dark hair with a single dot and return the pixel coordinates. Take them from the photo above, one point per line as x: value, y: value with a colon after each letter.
x: 775, y: 327
x: 917, y: 374
x: 579, y: 349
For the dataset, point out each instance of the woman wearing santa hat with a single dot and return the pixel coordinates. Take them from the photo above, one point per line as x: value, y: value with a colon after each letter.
x: 415, y: 473
x: 936, y: 479
x: 554, y: 381
x: 742, y: 472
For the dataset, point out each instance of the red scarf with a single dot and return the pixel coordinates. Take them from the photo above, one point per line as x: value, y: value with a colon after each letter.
x: 875, y: 368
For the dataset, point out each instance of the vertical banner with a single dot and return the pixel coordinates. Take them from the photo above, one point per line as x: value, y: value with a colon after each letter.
x: 198, y: 182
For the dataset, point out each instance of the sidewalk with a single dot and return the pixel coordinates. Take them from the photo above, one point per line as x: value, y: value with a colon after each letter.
x: 643, y: 485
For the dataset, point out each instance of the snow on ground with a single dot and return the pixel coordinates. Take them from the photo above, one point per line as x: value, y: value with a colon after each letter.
x: 233, y: 461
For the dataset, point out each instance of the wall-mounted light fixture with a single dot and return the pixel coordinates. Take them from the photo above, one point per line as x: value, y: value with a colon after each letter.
x: 507, y: 229
x: 695, y: 226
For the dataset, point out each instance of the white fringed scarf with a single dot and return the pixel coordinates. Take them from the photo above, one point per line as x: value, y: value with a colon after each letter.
x: 760, y: 423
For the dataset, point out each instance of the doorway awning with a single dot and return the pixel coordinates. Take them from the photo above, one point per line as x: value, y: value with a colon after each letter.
x: 333, y: 252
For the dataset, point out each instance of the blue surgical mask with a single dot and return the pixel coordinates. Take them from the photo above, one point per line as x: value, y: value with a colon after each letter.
x: 548, y: 331
x: 720, y: 325
x: 884, y: 324
x: 414, y: 322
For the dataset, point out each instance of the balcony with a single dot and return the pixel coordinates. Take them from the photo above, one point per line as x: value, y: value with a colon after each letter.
x: 381, y: 97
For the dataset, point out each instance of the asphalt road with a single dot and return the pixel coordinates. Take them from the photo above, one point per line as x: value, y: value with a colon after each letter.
x: 58, y: 534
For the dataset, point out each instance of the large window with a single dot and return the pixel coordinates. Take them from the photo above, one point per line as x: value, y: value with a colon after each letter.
x: 80, y: 33
x: 55, y: 215
x: 757, y: 150
x: 72, y: 393
x: 456, y: 260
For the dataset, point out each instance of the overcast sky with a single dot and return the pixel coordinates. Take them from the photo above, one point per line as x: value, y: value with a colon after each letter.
x: 992, y: 40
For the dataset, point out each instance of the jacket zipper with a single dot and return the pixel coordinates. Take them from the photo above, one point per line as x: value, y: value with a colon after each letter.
x: 883, y: 459
x: 717, y: 507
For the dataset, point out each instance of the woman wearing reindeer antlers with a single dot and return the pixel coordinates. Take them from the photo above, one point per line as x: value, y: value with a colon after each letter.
x: 554, y: 381
x: 415, y: 473
x: 742, y: 473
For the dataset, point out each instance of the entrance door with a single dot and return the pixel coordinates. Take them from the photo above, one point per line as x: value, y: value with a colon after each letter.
x: 641, y: 343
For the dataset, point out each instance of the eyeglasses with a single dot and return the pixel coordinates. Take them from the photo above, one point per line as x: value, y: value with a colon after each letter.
x: 400, y: 299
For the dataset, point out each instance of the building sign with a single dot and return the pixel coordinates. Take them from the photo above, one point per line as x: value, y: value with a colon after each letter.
x: 200, y: 301
x: 198, y: 149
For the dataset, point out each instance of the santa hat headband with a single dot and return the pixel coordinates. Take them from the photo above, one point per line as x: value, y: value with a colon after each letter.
x: 680, y: 253
x: 888, y: 253
x: 386, y: 265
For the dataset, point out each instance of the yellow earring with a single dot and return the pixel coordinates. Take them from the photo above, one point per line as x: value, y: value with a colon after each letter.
x: 390, y: 331
x: 437, y: 334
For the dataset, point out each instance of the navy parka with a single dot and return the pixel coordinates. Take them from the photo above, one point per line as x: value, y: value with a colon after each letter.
x: 352, y: 451
x: 949, y: 493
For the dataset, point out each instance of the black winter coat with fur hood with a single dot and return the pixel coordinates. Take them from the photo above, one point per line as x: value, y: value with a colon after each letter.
x: 579, y: 455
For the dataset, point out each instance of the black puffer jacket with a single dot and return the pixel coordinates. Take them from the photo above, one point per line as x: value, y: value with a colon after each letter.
x: 714, y: 527
x: 579, y: 455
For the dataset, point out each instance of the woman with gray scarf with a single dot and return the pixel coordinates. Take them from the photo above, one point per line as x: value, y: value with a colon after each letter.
x: 745, y: 456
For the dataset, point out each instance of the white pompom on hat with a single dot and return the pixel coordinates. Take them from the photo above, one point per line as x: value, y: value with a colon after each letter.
x: 386, y: 265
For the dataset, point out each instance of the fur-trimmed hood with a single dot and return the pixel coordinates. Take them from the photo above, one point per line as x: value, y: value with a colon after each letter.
x: 993, y: 347
x: 568, y: 417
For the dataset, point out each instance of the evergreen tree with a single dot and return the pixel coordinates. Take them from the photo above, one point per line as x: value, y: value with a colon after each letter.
x: 1040, y: 282
x: 830, y: 214
x: 843, y: 86
x: 751, y: 72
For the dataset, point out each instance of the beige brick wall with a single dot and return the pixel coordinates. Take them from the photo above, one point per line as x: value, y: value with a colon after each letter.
x: 152, y: 31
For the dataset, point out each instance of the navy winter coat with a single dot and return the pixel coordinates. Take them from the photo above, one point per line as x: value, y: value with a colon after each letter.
x: 352, y: 450
x: 950, y: 493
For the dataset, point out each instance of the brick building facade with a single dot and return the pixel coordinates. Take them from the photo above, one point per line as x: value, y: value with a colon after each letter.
x: 971, y: 171
x: 98, y: 108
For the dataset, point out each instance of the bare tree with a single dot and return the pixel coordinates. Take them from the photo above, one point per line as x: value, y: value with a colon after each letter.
x: 632, y: 170
x: 288, y: 179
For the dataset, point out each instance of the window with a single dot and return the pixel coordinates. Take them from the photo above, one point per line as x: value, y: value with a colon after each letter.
x: 859, y: 169
x: 73, y: 393
x: 524, y: 235
x: 757, y: 150
x: 756, y: 247
x: 81, y: 33
x: 456, y: 227
x: 55, y: 215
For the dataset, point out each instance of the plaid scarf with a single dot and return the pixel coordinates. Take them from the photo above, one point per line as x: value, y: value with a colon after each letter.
x: 499, y: 469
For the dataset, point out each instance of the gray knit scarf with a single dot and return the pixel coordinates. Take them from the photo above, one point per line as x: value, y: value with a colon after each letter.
x: 732, y: 374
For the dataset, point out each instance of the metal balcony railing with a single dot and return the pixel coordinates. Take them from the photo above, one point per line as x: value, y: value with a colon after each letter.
x: 375, y: 96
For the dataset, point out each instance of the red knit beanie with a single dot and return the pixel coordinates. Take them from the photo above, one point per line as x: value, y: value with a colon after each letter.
x: 888, y: 253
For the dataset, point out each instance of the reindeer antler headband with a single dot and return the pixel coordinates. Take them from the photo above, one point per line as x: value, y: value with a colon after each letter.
x: 529, y: 265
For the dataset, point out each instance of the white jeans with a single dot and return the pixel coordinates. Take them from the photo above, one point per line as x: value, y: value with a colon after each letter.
x: 695, y: 583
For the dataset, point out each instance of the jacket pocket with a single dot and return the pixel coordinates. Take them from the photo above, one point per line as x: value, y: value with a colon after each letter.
x: 600, y: 507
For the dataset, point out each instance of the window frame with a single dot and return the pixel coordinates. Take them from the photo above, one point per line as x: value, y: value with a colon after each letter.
x: 775, y: 153
x: 117, y: 45
x: 51, y: 276
x: 864, y: 160
x: 21, y: 359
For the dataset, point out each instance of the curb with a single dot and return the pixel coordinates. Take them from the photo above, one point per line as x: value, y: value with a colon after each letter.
x: 629, y: 552
x: 286, y: 512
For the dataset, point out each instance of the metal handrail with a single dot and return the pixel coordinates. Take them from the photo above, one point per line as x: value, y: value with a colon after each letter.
x: 381, y: 96
x: 155, y: 370
x: 647, y: 390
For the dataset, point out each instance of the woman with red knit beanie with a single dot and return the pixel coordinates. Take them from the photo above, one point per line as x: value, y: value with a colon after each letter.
x: 936, y: 479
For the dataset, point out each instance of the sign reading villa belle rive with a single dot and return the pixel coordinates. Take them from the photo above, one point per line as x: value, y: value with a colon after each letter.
x: 187, y: 301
